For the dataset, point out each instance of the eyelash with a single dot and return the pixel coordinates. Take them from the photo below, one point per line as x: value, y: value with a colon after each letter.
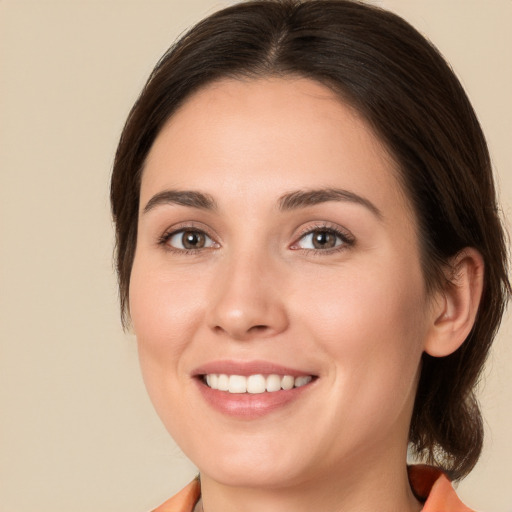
x: 347, y: 239
x: 164, y: 239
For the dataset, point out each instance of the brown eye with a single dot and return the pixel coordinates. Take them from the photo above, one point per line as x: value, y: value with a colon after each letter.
x: 188, y: 239
x: 322, y: 239
x: 193, y: 240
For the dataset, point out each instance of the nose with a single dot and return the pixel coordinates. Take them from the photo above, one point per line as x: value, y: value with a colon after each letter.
x: 247, y: 300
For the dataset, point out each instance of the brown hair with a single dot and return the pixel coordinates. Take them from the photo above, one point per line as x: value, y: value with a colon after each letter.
x: 403, y: 87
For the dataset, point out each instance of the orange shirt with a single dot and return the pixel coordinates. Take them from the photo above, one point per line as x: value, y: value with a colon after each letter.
x: 428, y: 483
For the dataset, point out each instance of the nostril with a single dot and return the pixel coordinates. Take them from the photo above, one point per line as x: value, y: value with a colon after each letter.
x: 259, y: 328
x: 243, y: 333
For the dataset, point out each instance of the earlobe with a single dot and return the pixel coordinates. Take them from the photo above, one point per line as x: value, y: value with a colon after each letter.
x: 456, y: 305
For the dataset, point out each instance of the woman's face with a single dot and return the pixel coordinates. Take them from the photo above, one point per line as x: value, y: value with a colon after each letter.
x: 276, y: 248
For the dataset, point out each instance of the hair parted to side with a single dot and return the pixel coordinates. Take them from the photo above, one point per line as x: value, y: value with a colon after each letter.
x: 405, y: 90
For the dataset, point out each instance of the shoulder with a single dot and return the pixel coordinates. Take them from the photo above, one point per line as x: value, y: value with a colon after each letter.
x: 434, y: 487
x: 184, y: 501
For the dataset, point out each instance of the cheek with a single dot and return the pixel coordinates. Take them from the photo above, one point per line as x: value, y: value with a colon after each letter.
x: 373, y: 337
x: 164, y: 313
x: 161, y: 306
x: 365, y: 303
x: 372, y: 326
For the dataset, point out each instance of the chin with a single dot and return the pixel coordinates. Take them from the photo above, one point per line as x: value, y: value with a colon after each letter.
x: 250, y: 476
x: 251, y: 468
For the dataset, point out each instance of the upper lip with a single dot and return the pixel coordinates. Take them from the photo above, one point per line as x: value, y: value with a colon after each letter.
x: 247, y: 368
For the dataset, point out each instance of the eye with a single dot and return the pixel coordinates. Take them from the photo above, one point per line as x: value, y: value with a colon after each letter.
x: 189, y: 239
x: 322, y: 239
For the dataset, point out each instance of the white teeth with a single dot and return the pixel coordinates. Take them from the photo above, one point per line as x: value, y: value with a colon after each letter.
x: 237, y: 384
x: 223, y: 383
x: 287, y: 382
x: 255, y: 384
x: 273, y: 383
x: 212, y: 380
x: 302, y: 381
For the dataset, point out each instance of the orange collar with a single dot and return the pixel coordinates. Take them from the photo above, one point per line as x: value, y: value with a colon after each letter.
x: 434, y: 488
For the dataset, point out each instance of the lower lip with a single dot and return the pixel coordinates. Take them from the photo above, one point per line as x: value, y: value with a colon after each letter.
x: 248, y: 405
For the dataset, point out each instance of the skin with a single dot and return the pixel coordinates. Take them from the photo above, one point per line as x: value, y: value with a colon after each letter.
x: 357, y: 317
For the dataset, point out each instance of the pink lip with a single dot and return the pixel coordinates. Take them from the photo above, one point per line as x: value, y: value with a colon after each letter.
x: 247, y: 368
x: 245, y: 405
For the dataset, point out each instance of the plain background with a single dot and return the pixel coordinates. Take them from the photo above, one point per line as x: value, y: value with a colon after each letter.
x: 77, y: 431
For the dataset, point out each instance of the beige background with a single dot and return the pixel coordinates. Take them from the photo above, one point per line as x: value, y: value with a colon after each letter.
x: 77, y: 432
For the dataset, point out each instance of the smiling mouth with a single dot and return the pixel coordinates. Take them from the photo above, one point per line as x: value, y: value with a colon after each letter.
x: 254, y: 384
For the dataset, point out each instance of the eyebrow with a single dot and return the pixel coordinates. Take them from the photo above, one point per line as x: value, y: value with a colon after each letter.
x: 182, y: 197
x: 305, y: 198
x: 290, y: 201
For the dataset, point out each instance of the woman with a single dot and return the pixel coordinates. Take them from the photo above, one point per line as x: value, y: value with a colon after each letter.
x: 310, y: 254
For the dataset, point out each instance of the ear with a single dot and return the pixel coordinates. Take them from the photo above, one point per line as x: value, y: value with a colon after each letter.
x: 456, y: 305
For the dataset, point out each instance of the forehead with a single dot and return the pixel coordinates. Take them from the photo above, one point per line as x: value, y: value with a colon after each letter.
x: 235, y: 136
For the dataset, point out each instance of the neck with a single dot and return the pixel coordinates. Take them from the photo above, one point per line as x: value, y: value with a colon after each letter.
x: 361, y: 488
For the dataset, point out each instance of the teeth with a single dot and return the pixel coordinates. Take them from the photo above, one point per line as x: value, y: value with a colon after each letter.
x: 237, y: 384
x: 273, y: 383
x: 255, y: 384
x: 212, y: 380
x: 223, y: 383
x: 287, y: 382
x: 302, y: 381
